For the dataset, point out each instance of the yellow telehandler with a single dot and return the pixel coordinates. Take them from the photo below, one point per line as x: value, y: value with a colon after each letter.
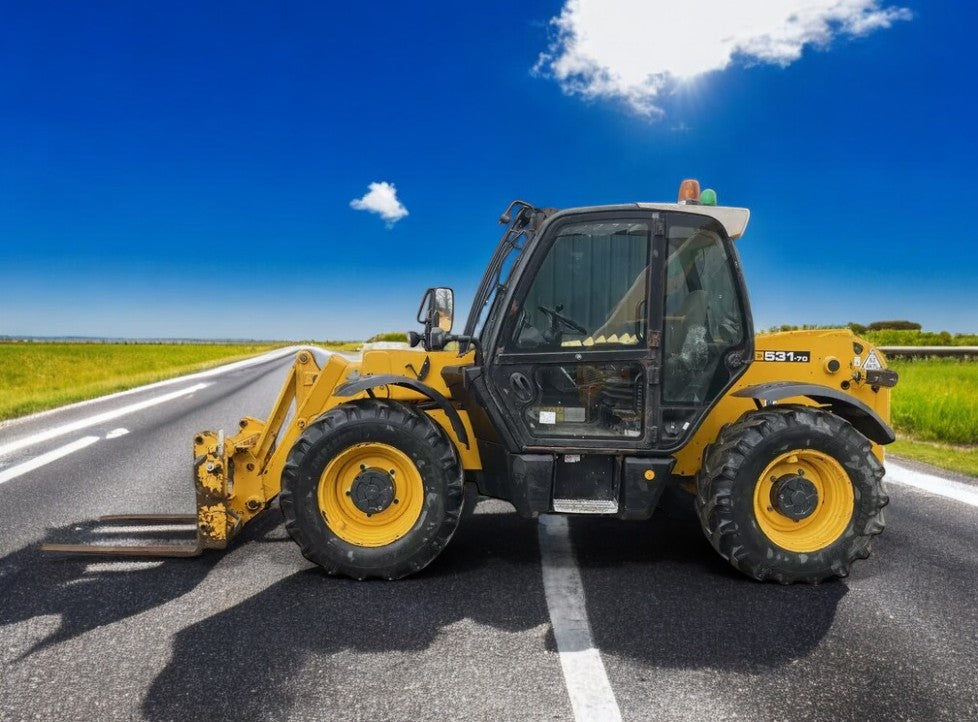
x: 608, y: 357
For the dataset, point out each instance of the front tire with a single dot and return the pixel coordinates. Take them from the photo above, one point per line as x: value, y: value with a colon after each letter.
x: 372, y: 488
x: 791, y: 493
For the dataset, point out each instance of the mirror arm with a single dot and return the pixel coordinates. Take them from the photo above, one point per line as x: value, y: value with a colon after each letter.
x: 465, y: 343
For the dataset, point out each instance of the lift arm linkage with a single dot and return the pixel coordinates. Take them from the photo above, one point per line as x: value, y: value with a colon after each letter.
x: 236, y: 477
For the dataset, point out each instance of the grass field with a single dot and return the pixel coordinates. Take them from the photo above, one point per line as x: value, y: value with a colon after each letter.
x: 891, y: 337
x: 935, y: 412
x: 937, y: 400
x: 955, y: 458
x: 38, y: 376
x: 342, y: 346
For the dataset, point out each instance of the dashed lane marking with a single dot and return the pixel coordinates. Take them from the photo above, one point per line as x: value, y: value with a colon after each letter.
x: 57, y: 431
x: 38, y: 461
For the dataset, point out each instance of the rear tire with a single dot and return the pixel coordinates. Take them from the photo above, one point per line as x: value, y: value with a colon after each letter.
x: 791, y: 538
x: 372, y: 444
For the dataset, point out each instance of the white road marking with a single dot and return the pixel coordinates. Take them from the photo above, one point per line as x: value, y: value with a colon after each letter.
x: 234, y: 366
x: 932, y: 484
x: 116, y: 433
x: 587, y: 682
x: 57, y: 431
x: 14, y: 471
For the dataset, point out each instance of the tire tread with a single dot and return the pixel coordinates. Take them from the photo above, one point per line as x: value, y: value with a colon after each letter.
x: 391, y: 414
x: 717, y: 482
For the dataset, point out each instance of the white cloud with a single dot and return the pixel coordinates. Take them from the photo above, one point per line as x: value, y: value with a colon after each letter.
x: 381, y: 198
x: 637, y: 50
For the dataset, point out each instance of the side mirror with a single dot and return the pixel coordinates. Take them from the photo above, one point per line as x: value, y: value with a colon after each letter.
x: 437, y: 309
x: 437, y: 313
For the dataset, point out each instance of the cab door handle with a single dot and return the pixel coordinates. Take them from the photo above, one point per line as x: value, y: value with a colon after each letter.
x: 521, y: 386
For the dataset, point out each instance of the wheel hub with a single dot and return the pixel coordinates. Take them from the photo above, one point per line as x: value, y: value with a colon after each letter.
x: 794, y: 496
x: 372, y: 491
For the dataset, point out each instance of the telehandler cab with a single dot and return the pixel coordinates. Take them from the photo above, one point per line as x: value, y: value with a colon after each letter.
x: 609, y: 355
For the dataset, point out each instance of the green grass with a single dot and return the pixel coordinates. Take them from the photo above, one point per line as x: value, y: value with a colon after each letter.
x: 936, y: 400
x: 894, y: 337
x: 390, y: 336
x: 955, y: 458
x: 347, y: 346
x: 934, y: 409
x: 356, y: 346
x: 889, y: 337
x: 38, y: 376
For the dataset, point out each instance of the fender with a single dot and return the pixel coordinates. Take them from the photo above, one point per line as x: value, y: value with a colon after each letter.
x: 367, y: 383
x: 862, y: 417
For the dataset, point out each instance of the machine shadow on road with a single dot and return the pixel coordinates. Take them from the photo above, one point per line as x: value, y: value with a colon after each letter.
x: 658, y: 593
x: 87, y: 592
x: 250, y: 661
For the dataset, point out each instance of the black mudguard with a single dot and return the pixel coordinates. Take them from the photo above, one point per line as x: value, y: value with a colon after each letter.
x: 866, y: 421
x: 370, y: 382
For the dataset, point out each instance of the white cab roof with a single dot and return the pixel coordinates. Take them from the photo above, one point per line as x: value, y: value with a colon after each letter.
x: 733, y: 220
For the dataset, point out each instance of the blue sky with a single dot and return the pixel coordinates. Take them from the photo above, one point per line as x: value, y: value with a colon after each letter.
x: 187, y: 169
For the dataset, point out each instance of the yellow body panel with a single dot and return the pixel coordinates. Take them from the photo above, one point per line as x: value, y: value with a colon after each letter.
x: 823, y: 346
x: 244, y: 472
x: 408, y: 362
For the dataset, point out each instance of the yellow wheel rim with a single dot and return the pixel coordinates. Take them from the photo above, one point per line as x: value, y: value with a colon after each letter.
x: 351, y: 523
x: 832, y: 512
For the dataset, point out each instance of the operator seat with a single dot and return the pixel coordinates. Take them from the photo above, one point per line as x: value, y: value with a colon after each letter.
x: 687, y: 352
x: 692, y: 315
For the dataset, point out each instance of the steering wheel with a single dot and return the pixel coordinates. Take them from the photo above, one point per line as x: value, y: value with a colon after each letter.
x: 556, y: 318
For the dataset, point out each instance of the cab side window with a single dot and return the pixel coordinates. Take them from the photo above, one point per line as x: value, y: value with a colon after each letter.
x: 588, y: 295
x: 590, y: 291
x: 703, y: 315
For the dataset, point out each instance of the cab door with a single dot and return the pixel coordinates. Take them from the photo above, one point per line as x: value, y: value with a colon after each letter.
x: 575, y: 367
x: 707, y: 330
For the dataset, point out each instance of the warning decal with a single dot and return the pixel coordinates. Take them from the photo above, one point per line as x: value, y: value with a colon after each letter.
x: 872, y: 362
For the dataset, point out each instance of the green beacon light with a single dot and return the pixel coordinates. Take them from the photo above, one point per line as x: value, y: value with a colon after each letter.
x: 708, y: 197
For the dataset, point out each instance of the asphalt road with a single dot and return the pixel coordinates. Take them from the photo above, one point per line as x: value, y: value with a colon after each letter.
x: 257, y: 633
